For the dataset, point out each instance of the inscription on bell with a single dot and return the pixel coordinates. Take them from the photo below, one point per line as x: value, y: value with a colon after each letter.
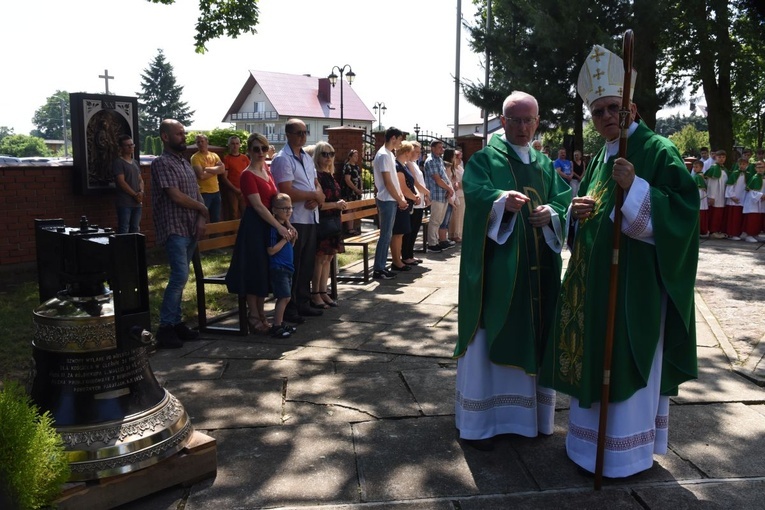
x: 97, y: 374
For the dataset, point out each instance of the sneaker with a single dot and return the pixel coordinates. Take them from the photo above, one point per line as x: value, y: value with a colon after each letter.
x: 435, y: 249
x: 761, y: 237
x: 750, y: 239
x: 736, y: 238
x: 718, y: 235
x: 704, y: 236
x: 383, y: 275
x: 167, y: 338
x: 445, y: 245
x: 184, y: 333
x: 279, y: 331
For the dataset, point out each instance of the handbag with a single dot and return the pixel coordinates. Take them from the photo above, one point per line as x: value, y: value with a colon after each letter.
x: 329, y: 226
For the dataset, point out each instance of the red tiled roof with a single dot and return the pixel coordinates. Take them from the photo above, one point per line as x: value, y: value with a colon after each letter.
x: 295, y: 95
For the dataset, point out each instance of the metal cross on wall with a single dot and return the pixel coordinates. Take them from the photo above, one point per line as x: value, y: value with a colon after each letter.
x: 106, y: 78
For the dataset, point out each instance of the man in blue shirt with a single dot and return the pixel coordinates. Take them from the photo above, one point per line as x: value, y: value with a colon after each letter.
x: 440, y: 191
x: 563, y: 166
x: 295, y: 175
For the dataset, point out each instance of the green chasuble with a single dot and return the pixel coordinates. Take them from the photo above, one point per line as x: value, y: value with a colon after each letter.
x: 509, y: 289
x: 700, y: 181
x: 754, y: 183
x: 714, y: 172
x: 573, y: 362
x: 733, y: 177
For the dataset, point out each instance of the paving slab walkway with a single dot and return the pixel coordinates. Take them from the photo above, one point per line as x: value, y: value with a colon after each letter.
x: 355, y: 411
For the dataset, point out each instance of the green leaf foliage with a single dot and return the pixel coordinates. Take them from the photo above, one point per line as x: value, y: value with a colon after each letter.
x: 689, y: 140
x: 219, y: 137
x: 23, y: 146
x: 33, y: 463
x: 5, y: 131
x: 50, y: 118
x: 222, y: 17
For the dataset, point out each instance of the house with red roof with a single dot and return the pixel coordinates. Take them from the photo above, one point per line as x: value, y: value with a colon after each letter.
x: 267, y: 100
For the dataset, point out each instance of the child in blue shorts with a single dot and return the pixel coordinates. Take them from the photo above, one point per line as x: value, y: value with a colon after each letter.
x: 281, y: 266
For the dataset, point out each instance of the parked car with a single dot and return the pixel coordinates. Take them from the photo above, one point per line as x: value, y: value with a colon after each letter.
x: 35, y: 161
x: 6, y: 160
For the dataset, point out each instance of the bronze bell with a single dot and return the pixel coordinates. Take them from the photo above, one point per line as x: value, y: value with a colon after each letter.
x: 91, y: 353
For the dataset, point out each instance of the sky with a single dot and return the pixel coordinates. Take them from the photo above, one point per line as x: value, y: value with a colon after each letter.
x: 402, y: 51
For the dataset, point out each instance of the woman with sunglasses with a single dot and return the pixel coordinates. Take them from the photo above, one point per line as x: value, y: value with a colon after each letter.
x: 326, y: 248
x: 248, y: 273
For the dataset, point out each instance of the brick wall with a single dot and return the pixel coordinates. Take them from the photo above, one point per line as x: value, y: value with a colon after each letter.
x: 40, y: 192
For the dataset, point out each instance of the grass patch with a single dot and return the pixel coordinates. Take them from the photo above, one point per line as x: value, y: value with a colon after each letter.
x: 18, y: 301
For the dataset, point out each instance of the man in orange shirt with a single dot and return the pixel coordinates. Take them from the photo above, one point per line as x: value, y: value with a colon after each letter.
x: 208, y: 166
x: 235, y: 163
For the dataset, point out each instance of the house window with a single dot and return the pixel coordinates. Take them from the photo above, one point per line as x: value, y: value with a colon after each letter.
x: 325, y: 130
x: 250, y: 128
x: 260, y: 106
x: 270, y: 129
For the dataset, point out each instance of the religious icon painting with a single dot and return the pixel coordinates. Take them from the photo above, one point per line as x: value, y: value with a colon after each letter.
x: 97, y: 121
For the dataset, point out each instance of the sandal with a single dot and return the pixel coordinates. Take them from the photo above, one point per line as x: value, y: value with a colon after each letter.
x: 264, y: 320
x: 279, y: 331
x: 328, y: 300
x: 320, y: 306
x: 257, y: 326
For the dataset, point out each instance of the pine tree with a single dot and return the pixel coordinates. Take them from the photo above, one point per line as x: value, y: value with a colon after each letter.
x: 160, y: 98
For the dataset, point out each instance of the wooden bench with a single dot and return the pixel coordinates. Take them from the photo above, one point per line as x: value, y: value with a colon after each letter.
x: 358, y: 209
x: 217, y: 235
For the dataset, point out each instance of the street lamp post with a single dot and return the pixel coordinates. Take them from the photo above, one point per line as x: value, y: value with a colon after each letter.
x: 62, y: 103
x: 417, y: 132
x: 379, y: 108
x: 350, y: 75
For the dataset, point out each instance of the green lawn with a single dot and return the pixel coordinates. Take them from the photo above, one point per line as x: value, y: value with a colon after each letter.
x: 18, y: 300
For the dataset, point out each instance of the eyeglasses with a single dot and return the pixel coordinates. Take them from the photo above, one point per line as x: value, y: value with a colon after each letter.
x: 612, y: 109
x: 328, y: 154
x: 299, y: 133
x: 284, y: 208
x: 521, y: 121
x: 257, y: 149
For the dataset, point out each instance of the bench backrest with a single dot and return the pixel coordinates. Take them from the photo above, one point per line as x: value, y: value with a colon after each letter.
x: 225, y: 232
x: 357, y: 209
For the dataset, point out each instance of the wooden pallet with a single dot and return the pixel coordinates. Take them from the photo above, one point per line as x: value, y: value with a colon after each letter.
x: 194, y: 463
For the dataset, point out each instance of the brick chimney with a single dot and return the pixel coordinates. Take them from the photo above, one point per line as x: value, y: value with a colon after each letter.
x: 325, y: 90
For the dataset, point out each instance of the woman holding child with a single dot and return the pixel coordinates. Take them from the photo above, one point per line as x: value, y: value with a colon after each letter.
x: 326, y: 247
x: 248, y: 273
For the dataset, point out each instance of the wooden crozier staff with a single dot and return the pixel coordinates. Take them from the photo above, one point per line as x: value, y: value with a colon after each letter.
x: 624, y: 124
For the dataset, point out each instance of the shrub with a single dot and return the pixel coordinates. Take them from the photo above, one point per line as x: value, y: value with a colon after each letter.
x: 33, y: 464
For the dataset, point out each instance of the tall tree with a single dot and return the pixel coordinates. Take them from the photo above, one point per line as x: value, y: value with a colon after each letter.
x: 5, y: 131
x: 705, y: 55
x: 161, y: 97
x: 749, y: 71
x: 539, y: 46
x: 222, y: 17
x: 51, y: 116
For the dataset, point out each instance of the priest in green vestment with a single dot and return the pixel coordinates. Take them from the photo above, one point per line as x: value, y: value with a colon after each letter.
x: 510, y: 269
x: 654, y: 347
